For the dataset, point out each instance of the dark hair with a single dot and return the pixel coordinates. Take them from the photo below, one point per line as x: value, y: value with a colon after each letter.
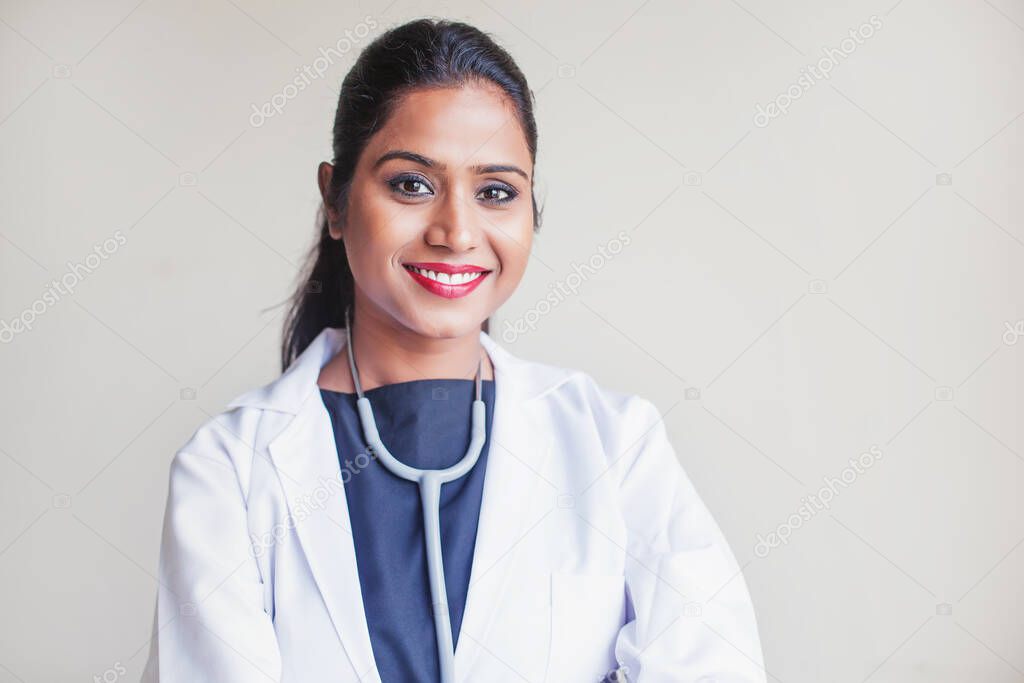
x: 423, y: 53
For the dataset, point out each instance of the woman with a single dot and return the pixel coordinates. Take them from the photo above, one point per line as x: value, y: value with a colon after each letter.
x: 574, y: 548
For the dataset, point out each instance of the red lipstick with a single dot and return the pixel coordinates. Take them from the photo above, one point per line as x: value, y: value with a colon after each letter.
x: 447, y: 290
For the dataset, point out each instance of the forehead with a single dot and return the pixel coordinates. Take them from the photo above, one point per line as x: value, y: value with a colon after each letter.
x: 458, y: 126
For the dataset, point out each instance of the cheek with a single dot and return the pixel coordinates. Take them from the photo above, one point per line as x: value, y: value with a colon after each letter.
x: 513, y: 252
x: 376, y: 230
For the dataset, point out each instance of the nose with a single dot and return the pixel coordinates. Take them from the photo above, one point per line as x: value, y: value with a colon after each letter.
x: 453, y: 224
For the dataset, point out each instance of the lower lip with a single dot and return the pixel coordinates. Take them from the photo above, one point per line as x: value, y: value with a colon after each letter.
x: 447, y: 291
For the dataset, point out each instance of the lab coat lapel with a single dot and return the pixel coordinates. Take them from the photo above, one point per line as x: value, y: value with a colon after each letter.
x: 306, y: 455
x: 514, y: 478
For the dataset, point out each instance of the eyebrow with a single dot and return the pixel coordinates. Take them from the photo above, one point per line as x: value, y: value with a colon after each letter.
x: 431, y: 163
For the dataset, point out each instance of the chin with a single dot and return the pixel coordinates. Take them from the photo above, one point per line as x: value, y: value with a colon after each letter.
x: 448, y: 326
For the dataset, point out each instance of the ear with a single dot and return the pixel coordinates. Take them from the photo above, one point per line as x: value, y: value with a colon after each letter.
x: 334, y: 221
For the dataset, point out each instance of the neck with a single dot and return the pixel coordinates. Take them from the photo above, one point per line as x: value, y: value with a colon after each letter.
x: 388, y: 354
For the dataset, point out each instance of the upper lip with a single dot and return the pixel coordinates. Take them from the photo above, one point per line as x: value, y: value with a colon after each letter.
x: 450, y: 268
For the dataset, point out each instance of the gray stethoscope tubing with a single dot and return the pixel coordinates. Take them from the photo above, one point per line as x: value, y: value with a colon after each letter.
x: 430, y: 494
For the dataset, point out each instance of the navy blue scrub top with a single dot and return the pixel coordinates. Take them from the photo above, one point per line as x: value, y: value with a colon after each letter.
x: 426, y: 424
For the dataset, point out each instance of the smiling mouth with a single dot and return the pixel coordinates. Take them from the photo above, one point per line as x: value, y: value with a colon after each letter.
x: 446, y: 280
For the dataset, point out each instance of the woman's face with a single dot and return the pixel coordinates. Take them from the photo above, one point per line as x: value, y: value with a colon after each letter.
x: 446, y: 183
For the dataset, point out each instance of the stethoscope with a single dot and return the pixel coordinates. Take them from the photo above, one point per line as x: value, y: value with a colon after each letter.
x: 430, y: 494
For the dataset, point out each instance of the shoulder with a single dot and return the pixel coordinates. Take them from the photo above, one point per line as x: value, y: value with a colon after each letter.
x: 577, y: 388
x: 574, y: 394
x: 228, y: 443
x: 221, y: 441
x: 224, y: 432
x: 607, y: 430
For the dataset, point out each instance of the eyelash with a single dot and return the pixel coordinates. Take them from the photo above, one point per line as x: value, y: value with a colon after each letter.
x: 396, y: 182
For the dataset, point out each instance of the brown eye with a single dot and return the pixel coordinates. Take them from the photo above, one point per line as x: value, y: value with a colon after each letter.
x: 409, y: 185
x: 497, y: 194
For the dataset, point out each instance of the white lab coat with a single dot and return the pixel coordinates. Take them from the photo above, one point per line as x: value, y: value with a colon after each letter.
x: 593, y: 550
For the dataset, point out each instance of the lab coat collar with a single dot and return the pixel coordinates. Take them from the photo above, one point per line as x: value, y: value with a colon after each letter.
x: 290, y: 391
x: 305, y: 455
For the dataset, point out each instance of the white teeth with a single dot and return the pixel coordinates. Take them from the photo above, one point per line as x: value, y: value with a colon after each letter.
x: 445, y: 278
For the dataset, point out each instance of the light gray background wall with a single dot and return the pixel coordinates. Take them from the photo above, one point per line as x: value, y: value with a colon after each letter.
x: 796, y: 290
